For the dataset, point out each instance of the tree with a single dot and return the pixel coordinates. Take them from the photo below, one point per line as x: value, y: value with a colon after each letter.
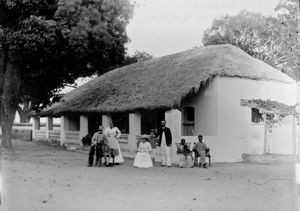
x: 23, y: 110
x: 273, y: 40
x: 138, y: 56
x: 47, y: 44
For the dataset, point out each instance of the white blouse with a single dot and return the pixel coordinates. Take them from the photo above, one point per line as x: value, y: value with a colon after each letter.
x: 145, y: 147
x: 112, y: 132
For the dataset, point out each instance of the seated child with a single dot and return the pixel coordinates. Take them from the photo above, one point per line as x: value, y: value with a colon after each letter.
x: 185, y: 157
x: 143, y: 159
x: 107, y: 154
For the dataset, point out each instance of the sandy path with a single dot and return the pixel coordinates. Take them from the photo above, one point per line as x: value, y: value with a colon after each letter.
x: 40, y: 177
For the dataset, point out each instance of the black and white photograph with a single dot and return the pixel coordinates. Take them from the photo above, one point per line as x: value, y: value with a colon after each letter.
x: 150, y: 105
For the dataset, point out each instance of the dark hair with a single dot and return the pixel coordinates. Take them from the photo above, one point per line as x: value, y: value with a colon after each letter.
x: 200, y: 136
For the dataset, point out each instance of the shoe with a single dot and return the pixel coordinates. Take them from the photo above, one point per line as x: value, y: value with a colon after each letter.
x: 204, y: 166
x: 162, y: 164
x: 89, y: 165
x: 169, y: 166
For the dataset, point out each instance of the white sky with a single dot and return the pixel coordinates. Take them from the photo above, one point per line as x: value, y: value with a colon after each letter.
x: 162, y: 27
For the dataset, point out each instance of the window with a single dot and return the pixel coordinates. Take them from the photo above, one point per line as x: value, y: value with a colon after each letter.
x: 94, y: 121
x: 188, y: 121
x: 121, y: 121
x: 190, y: 114
x: 150, y: 119
x: 256, y: 116
x: 74, y: 122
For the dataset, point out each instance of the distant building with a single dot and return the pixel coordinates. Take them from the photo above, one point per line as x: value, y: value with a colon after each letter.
x: 196, y: 91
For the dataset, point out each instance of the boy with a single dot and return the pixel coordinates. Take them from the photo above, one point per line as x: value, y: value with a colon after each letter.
x: 96, y: 146
x: 199, y: 150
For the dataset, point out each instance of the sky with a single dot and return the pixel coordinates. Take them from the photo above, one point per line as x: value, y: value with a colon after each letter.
x: 163, y: 27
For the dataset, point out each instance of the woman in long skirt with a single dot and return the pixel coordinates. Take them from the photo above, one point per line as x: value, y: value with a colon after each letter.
x: 113, y: 134
x: 143, y: 158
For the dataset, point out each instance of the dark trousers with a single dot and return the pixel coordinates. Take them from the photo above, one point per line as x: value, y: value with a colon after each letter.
x: 95, y: 149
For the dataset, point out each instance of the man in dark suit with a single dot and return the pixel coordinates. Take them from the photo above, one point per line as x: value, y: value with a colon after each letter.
x: 164, y: 136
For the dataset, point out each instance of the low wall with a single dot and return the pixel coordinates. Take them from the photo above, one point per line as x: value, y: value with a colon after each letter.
x: 21, y: 131
x: 123, y: 142
x: 54, y: 135
x: 22, y: 134
x: 231, y: 149
x: 72, y: 137
x: 223, y: 149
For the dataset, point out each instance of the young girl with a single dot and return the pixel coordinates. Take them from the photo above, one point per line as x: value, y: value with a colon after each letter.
x: 153, y: 142
x: 143, y: 159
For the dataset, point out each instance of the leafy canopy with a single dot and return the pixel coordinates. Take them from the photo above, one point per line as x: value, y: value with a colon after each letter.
x: 273, y: 40
x: 53, y: 42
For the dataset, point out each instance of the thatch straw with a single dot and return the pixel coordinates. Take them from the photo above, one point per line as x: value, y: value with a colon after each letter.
x: 163, y: 82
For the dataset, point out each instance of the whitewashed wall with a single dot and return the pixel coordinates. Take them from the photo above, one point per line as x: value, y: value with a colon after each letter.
x: 227, y: 126
x: 236, y: 133
x: 206, y: 105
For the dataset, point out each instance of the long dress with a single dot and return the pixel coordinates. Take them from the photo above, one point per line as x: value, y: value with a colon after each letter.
x: 142, y: 158
x: 185, y: 158
x: 112, y: 135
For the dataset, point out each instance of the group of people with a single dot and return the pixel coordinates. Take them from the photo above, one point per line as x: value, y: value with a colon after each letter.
x: 163, y: 139
x: 195, y: 157
x: 105, y: 145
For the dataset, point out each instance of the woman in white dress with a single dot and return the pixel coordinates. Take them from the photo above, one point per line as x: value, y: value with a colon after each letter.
x: 113, y: 134
x: 143, y: 158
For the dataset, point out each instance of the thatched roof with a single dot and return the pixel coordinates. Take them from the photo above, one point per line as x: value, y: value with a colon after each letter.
x: 163, y: 82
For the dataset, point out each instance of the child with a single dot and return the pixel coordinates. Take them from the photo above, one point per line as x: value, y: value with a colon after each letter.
x: 143, y: 159
x: 96, y: 146
x: 185, y: 158
x: 153, y: 143
x: 107, y: 154
x: 200, y: 151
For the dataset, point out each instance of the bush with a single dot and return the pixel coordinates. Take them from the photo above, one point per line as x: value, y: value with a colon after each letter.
x: 86, y: 140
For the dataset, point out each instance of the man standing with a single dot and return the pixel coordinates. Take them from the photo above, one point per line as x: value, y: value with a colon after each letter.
x: 200, y: 150
x: 96, y: 146
x: 165, y: 141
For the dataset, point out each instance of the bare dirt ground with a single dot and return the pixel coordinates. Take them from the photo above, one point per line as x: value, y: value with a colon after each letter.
x: 40, y: 177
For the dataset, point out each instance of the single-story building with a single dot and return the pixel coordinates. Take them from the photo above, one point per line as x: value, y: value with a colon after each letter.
x: 197, y: 91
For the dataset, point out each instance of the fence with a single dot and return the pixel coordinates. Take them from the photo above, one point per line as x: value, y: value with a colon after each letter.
x: 123, y: 142
x: 72, y: 137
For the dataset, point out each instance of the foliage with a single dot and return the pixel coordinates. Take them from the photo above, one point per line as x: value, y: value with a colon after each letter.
x: 47, y: 44
x: 274, y: 111
x: 270, y: 106
x: 138, y: 56
x: 53, y: 43
x: 273, y: 40
x: 23, y: 111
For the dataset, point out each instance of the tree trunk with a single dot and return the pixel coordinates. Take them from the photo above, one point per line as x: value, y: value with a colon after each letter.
x: 10, y: 83
x: 6, y: 126
x: 23, y: 112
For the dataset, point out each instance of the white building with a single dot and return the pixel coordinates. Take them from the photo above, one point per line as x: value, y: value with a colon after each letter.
x: 198, y: 91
